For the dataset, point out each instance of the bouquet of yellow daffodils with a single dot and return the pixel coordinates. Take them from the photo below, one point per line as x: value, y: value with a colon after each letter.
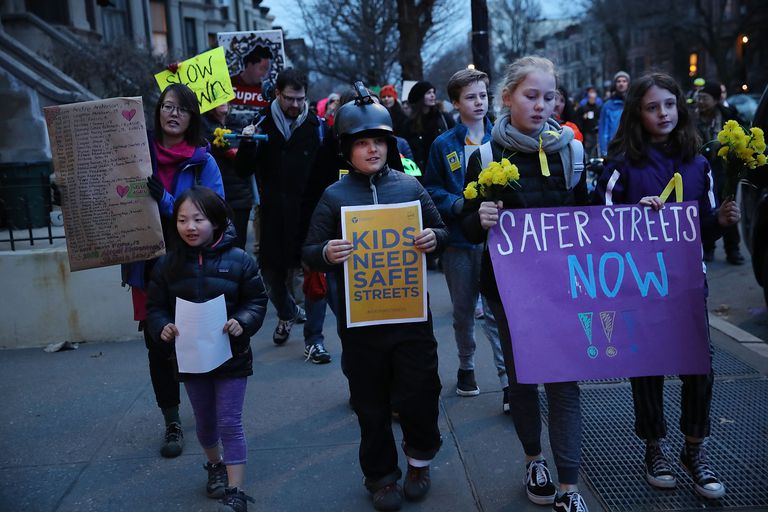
x: 493, y: 180
x: 742, y: 150
x: 218, y: 138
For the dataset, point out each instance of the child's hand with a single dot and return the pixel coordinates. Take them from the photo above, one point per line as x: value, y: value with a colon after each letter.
x: 654, y: 202
x: 233, y: 327
x: 729, y: 214
x: 426, y: 241
x: 169, y: 332
x: 337, y: 251
x: 489, y: 213
x: 249, y: 130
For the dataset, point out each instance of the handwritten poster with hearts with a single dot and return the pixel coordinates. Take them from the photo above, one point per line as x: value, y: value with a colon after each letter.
x: 101, y: 161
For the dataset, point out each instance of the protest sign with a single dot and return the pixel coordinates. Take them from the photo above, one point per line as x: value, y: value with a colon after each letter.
x: 206, y: 74
x: 602, y: 292
x: 237, y: 45
x: 385, y: 278
x: 101, y: 160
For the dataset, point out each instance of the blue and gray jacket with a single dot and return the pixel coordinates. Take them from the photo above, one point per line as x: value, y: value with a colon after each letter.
x: 444, y: 178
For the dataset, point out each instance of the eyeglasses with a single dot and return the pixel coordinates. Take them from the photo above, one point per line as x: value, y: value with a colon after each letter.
x: 169, y: 108
x: 292, y: 99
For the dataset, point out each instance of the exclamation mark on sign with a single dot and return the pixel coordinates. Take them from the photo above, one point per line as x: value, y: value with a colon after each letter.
x: 586, y: 324
x: 629, y: 321
x: 607, y: 319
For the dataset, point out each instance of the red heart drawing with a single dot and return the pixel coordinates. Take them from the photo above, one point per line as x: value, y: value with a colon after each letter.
x: 122, y: 190
x: 128, y: 114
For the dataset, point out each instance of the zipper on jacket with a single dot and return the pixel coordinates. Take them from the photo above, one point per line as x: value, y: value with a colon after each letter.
x: 373, y: 189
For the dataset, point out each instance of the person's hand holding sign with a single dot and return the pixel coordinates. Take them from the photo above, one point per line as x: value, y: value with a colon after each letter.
x: 337, y: 251
x: 233, y: 327
x: 654, y: 202
x: 489, y: 213
x: 169, y: 332
x: 426, y: 241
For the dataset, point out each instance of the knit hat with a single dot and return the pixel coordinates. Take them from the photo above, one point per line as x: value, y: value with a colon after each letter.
x: 620, y: 74
x: 713, y: 89
x: 418, y: 91
x: 388, y: 90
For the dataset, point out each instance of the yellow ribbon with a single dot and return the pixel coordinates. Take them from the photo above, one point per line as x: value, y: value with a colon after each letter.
x: 675, y: 183
x: 543, y: 159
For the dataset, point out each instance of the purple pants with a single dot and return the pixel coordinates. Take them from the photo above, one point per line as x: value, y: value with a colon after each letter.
x: 218, y: 407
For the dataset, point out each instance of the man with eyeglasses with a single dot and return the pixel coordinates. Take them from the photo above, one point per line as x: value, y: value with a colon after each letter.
x: 282, y: 166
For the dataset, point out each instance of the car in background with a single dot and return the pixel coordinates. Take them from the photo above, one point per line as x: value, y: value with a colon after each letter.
x: 754, y: 206
x: 745, y: 105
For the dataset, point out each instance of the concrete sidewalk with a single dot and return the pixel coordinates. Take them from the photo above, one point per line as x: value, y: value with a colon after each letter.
x: 79, y: 431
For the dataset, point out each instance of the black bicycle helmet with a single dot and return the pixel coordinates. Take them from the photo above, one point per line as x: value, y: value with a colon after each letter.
x: 361, y: 115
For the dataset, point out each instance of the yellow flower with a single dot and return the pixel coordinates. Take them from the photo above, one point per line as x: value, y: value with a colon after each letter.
x: 500, y: 177
x: 471, y: 191
x: 513, y: 173
x: 486, y: 176
x: 723, y: 152
x: 761, y: 159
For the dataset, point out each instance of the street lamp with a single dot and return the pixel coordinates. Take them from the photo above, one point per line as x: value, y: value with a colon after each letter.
x: 744, y: 39
x: 470, y: 66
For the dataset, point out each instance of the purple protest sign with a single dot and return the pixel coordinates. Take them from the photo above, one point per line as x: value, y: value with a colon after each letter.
x: 602, y: 292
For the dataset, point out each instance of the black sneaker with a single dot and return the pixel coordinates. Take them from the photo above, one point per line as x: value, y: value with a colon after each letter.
x: 570, y: 502
x: 735, y: 258
x: 317, y: 354
x: 416, y: 483
x: 301, y: 315
x: 282, y: 331
x: 705, y: 481
x: 466, y: 384
x: 389, y: 497
x: 217, y: 479
x: 658, y: 470
x: 538, y: 483
x: 505, y: 401
x: 234, y: 500
x: 174, y: 441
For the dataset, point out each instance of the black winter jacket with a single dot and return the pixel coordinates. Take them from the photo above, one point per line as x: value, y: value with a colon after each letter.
x: 536, y: 191
x: 202, y: 274
x: 420, y: 138
x: 282, y: 170
x: 355, y: 189
x: 237, y: 190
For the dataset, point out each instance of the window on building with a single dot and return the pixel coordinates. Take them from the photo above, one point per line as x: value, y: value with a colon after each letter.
x: 53, y: 12
x: 190, y: 37
x: 115, y: 20
x: 159, y: 28
x: 213, y: 40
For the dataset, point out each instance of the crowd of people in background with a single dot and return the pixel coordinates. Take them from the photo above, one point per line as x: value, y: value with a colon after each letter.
x: 320, y: 156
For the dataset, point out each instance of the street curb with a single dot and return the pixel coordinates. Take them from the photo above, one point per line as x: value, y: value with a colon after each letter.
x: 747, y: 340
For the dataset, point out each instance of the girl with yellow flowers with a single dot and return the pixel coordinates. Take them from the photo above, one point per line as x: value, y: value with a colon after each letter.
x: 656, y: 144
x: 536, y: 163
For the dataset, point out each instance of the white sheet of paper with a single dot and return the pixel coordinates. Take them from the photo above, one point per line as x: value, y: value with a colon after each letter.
x: 201, y: 345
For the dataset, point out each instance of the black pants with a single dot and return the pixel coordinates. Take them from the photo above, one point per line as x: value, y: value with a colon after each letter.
x: 162, y: 372
x: 402, y: 375
x: 240, y: 221
x: 695, y: 403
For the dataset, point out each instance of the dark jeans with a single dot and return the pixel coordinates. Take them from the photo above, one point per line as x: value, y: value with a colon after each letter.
x: 162, y: 372
x: 385, y: 374
x: 564, y: 403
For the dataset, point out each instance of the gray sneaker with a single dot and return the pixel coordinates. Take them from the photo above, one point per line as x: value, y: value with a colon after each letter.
x: 317, y: 354
x: 174, y: 441
x: 282, y: 331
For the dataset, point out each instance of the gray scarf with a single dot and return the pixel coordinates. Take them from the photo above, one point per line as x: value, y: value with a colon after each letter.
x: 508, y: 136
x: 285, y: 125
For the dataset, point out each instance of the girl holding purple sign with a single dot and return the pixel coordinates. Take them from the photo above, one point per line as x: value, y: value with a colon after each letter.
x: 657, y: 144
x: 550, y: 164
